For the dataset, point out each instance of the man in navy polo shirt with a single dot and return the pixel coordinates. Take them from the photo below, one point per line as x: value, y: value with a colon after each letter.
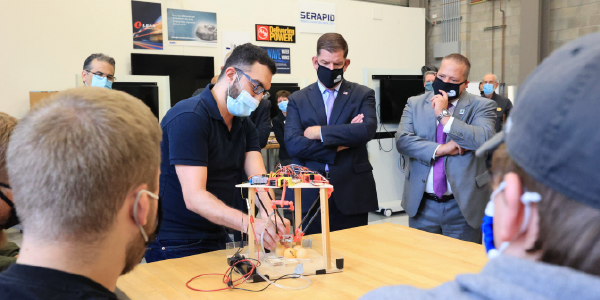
x: 207, y: 141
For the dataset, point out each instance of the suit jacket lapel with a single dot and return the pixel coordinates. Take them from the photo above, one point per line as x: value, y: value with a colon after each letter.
x: 316, y: 100
x: 430, y: 118
x: 341, y: 99
x: 463, y: 102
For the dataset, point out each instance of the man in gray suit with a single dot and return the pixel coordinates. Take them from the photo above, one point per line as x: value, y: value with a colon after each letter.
x: 446, y: 187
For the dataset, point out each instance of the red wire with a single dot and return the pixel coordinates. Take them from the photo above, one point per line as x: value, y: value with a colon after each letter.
x: 226, y: 278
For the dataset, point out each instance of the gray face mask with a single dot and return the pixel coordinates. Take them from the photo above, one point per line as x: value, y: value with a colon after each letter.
x: 148, y: 239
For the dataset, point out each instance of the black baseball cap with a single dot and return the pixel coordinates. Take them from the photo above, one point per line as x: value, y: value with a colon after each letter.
x: 552, y: 132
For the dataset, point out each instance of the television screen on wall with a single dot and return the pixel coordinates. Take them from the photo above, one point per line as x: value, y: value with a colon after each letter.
x: 186, y: 73
x: 394, y: 94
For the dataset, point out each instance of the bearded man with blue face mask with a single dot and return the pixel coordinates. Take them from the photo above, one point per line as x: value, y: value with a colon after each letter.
x: 208, y: 140
x: 542, y: 223
x: 99, y: 71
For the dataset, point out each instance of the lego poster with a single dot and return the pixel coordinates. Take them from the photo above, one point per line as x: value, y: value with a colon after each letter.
x: 192, y: 28
x: 147, y: 25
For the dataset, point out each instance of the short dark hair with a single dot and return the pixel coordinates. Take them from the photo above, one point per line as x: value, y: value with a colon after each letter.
x: 244, y: 56
x: 87, y: 64
x: 568, y: 230
x: 427, y: 73
x: 332, y: 42
x: 282, y: 93
x: 459, y: 58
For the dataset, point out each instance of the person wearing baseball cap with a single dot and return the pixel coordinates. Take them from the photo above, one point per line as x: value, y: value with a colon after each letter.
x: 542, y: 224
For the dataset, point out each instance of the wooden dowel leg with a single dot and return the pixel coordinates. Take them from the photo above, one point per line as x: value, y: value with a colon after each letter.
x: 298, y: 210
x: 251, y: 212
x: 325, y: 228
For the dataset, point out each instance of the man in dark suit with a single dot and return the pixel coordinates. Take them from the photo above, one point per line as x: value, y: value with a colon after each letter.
x: 490, y: 84
x: 279, y: 126
x: 328, y: 126
x: 446, y: 187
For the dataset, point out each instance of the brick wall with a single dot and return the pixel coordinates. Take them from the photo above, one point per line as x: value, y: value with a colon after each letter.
x: 476, y: 43
x: 570, y: 19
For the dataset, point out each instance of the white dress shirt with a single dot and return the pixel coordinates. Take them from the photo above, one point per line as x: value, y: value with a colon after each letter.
x: 429, y: 186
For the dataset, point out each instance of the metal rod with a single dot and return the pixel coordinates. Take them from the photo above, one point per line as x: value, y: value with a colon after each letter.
x: 311, y: 219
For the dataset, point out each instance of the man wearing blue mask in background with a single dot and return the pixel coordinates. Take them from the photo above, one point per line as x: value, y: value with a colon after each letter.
x: 545, y: 209
x: 490, y: 84
x: 99, y: 70
x: 207, y: 141
x: 428, y: 79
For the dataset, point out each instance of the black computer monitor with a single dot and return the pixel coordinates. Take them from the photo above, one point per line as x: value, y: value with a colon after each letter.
x: 145, y: 91
x: 186, y: 73
x: 394, y: 94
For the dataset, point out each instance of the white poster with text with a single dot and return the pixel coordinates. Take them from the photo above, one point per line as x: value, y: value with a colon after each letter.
x: 316, y: 17
x: 231, y: 39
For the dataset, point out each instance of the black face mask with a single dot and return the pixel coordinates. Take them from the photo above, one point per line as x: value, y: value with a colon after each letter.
x: 330, y: 78
x: 452, y: 89
x: 12, y: 219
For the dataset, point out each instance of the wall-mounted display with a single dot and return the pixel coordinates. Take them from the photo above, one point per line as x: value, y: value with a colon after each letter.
x: 192, y: 28
x: 281, y: 56
x: 316, y: 17
x: 275, y: 33
x: 147, y: 25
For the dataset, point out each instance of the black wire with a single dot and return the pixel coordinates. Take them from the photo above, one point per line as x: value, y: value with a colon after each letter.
x: 275, y: 280
x: 311, y: 219
x: 276, y: 212
x: 382, y: 126
x: 309, y: 210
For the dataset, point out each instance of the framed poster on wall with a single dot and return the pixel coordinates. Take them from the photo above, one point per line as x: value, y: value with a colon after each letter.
x: 281, y: 56
x: 192, y: 28
x: 316, y: 17
x: 275, y: 33
x: 147, y: 25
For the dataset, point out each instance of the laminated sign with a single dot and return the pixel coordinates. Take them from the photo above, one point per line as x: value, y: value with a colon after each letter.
x: 275, y: 33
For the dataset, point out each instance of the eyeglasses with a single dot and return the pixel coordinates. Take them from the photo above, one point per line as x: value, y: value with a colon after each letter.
x: 258, y: 88
x: 98, y: 73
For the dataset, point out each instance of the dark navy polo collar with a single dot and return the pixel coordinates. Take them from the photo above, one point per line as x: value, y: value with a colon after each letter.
x: 211, y: 102
x: 213, y: 109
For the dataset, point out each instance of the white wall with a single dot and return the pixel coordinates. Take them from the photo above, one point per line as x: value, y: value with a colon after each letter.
x: 43, y: 43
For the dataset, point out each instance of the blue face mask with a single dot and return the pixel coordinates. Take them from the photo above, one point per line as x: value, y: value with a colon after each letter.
x: 429, y: 86
x: 283, y: 105
x: 243, y: 105
x: 100, y: 81
x: 487, y: 227
x: 488, y: 88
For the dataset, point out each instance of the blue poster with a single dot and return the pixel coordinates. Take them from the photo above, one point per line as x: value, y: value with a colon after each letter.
x: 281, y: 56
x: 192, y: 28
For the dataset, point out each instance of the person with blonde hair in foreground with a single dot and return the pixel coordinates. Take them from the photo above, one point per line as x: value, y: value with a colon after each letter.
x: 84, y: 167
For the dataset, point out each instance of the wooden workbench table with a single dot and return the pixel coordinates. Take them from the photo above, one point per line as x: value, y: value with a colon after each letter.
x: 374, y: 256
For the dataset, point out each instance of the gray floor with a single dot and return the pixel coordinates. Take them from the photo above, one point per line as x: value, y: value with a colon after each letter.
x: 14, y: 235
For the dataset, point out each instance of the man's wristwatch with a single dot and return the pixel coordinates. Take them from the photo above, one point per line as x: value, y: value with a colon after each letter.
x: 445, y: 113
